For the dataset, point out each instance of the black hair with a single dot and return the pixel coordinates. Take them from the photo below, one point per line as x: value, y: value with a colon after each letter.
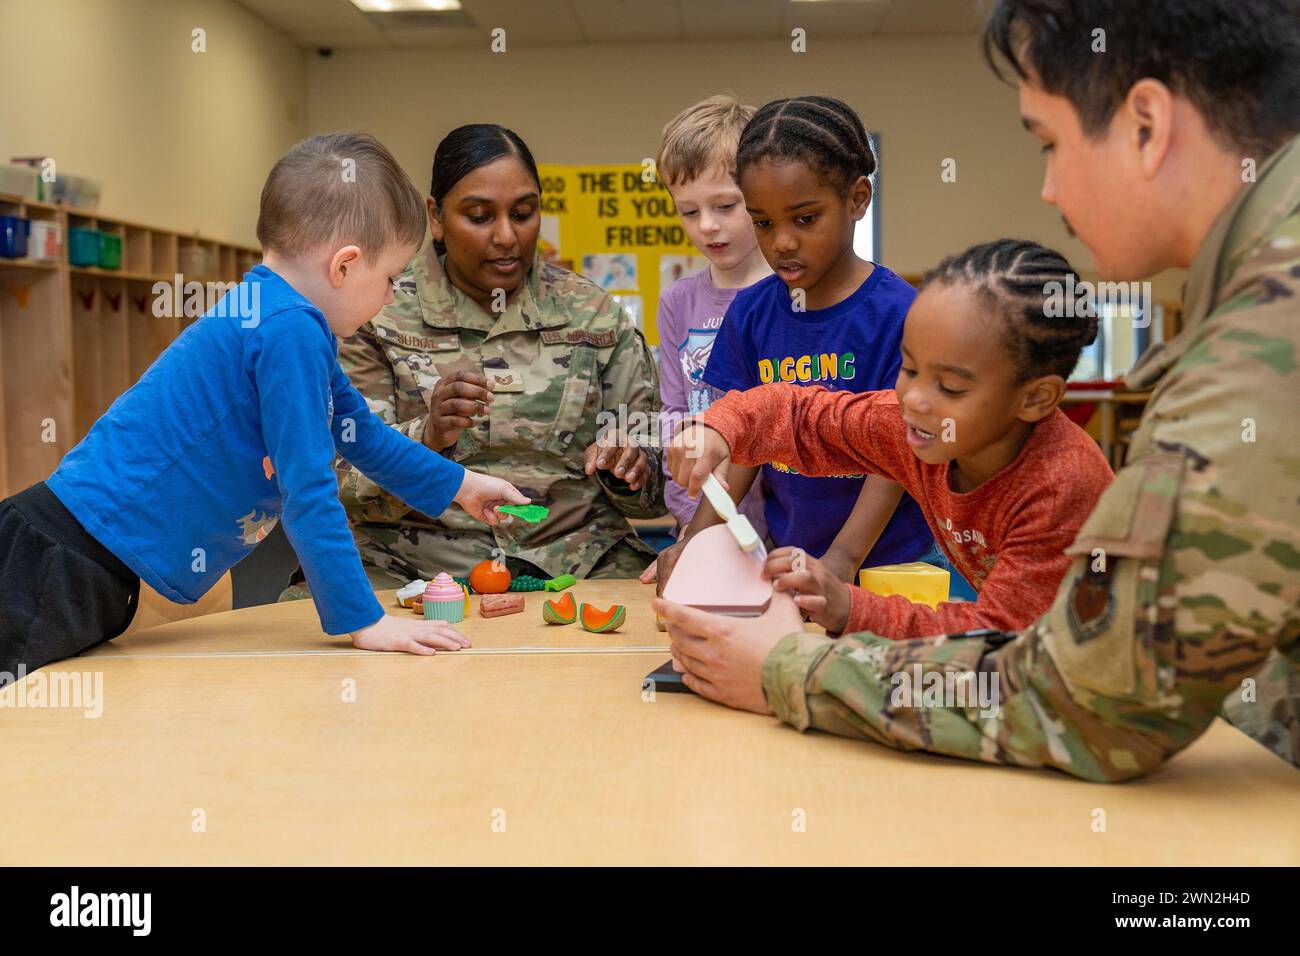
x: 467, y: 148
x: 1237, y: 61
x: 1013, y: 278
x: 820, y: 131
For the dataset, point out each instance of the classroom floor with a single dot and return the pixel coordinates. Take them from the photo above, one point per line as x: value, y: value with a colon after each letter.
x: 230, y: 739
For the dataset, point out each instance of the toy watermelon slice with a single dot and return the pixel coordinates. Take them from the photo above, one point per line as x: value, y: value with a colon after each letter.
x: 601, y: 622
x: 560, y: 611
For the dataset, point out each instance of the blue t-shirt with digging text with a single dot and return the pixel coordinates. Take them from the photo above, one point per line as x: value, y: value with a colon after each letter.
x: 852, y: 345
x: 234, y: 427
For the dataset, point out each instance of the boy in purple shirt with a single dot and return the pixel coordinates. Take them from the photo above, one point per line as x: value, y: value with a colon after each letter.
x: 696, y: 161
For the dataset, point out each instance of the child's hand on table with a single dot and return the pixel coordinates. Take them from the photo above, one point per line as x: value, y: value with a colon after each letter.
x: 392, y: 633
x: 695, y: 452
x: 480, y: 495
x: 815, y: 587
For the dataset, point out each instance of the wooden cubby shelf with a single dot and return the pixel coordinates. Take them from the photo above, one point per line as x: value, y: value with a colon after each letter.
x: 74, y: 338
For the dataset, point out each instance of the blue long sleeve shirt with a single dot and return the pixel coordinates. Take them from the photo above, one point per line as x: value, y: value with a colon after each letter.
x: 234, y: 427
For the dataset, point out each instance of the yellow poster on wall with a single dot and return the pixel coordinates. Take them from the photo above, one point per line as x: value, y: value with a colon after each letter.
x: 618, y: 226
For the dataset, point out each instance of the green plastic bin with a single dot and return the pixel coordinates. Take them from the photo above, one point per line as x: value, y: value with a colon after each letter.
x: 110, y: 251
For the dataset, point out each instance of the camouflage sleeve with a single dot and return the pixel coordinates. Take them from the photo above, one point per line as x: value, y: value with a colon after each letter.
x: 630, y: 390
x: 1268, y: 705
x: 366, y: 365
x: 1184, y: 579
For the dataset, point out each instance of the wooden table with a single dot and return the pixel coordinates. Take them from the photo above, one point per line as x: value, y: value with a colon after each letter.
x: 537, y: 746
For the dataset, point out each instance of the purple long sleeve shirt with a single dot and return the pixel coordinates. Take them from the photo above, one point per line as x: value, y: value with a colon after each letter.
x: 691, y: 311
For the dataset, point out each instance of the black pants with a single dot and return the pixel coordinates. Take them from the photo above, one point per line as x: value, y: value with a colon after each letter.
x: 61, y: 591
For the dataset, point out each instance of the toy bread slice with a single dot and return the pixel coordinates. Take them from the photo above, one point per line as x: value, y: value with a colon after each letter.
x: 495, y: 605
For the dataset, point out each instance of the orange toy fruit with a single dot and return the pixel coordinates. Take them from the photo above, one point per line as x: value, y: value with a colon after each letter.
x: 562, y: 610
x: 601, y: 622
x: 489, y: 578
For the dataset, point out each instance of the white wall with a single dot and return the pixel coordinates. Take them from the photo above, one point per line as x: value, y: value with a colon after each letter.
x: 183, y: 140
x: 929, y: 99
x: 111, y: 90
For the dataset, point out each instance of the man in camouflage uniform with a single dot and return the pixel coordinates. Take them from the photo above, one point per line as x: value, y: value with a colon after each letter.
x: 1184, y: 596
x: 562, y: 357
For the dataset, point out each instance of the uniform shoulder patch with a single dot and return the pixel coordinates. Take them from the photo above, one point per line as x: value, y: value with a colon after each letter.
x: 1091, y: 604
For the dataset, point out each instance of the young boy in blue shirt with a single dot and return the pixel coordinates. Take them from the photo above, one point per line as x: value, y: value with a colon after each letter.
x: 237, y: 425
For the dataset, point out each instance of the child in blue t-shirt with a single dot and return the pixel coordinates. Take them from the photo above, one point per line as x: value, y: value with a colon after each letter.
x: 825, y: 318
x: 237, y: 425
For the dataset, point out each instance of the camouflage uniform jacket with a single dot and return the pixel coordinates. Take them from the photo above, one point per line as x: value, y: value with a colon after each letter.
x: 1186, y: 576
x: 561, y: 354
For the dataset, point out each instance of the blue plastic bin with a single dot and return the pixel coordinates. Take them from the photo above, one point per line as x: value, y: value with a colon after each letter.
x: 14, y: 231
x: 83, y: 246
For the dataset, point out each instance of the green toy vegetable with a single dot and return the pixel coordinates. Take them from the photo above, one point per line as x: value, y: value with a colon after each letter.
x: 530, y: 513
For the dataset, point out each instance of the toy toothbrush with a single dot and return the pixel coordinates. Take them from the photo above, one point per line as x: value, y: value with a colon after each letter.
x: 737, y: 523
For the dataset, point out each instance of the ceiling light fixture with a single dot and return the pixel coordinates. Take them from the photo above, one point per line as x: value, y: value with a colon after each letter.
x: 405, y: 6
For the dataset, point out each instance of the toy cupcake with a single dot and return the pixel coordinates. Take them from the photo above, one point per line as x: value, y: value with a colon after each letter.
x: 444, y: 600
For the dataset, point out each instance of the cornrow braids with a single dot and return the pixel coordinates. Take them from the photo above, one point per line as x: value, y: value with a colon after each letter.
x: 820, y: 131
x: 1013, y: 277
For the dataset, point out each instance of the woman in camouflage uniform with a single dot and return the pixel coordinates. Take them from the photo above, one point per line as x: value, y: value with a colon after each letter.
x: 508, y: 365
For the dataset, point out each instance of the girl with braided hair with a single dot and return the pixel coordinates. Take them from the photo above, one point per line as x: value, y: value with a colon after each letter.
x: 828, y: 318
x: 971, y: 430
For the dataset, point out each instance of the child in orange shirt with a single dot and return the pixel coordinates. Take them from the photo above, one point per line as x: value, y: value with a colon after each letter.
x: 972, y: 431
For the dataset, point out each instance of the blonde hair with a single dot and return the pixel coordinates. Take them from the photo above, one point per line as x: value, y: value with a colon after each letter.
x: 701, y: 137
x: 339, y: 188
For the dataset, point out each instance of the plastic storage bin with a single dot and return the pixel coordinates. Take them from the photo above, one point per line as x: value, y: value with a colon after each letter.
x: 34, y: 163
x: 19, y: 180
x: 77, y: 191
x: 14, y: 231
x: 46, y: 240
x: 110, y: 250
x: 83, y: 246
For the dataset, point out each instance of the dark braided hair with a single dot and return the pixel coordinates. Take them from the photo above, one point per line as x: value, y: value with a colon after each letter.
x: 820, y: 131
x: 1012, y: 276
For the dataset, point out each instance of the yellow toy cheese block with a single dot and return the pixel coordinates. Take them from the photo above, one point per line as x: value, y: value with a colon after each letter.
x: 918, y: 582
